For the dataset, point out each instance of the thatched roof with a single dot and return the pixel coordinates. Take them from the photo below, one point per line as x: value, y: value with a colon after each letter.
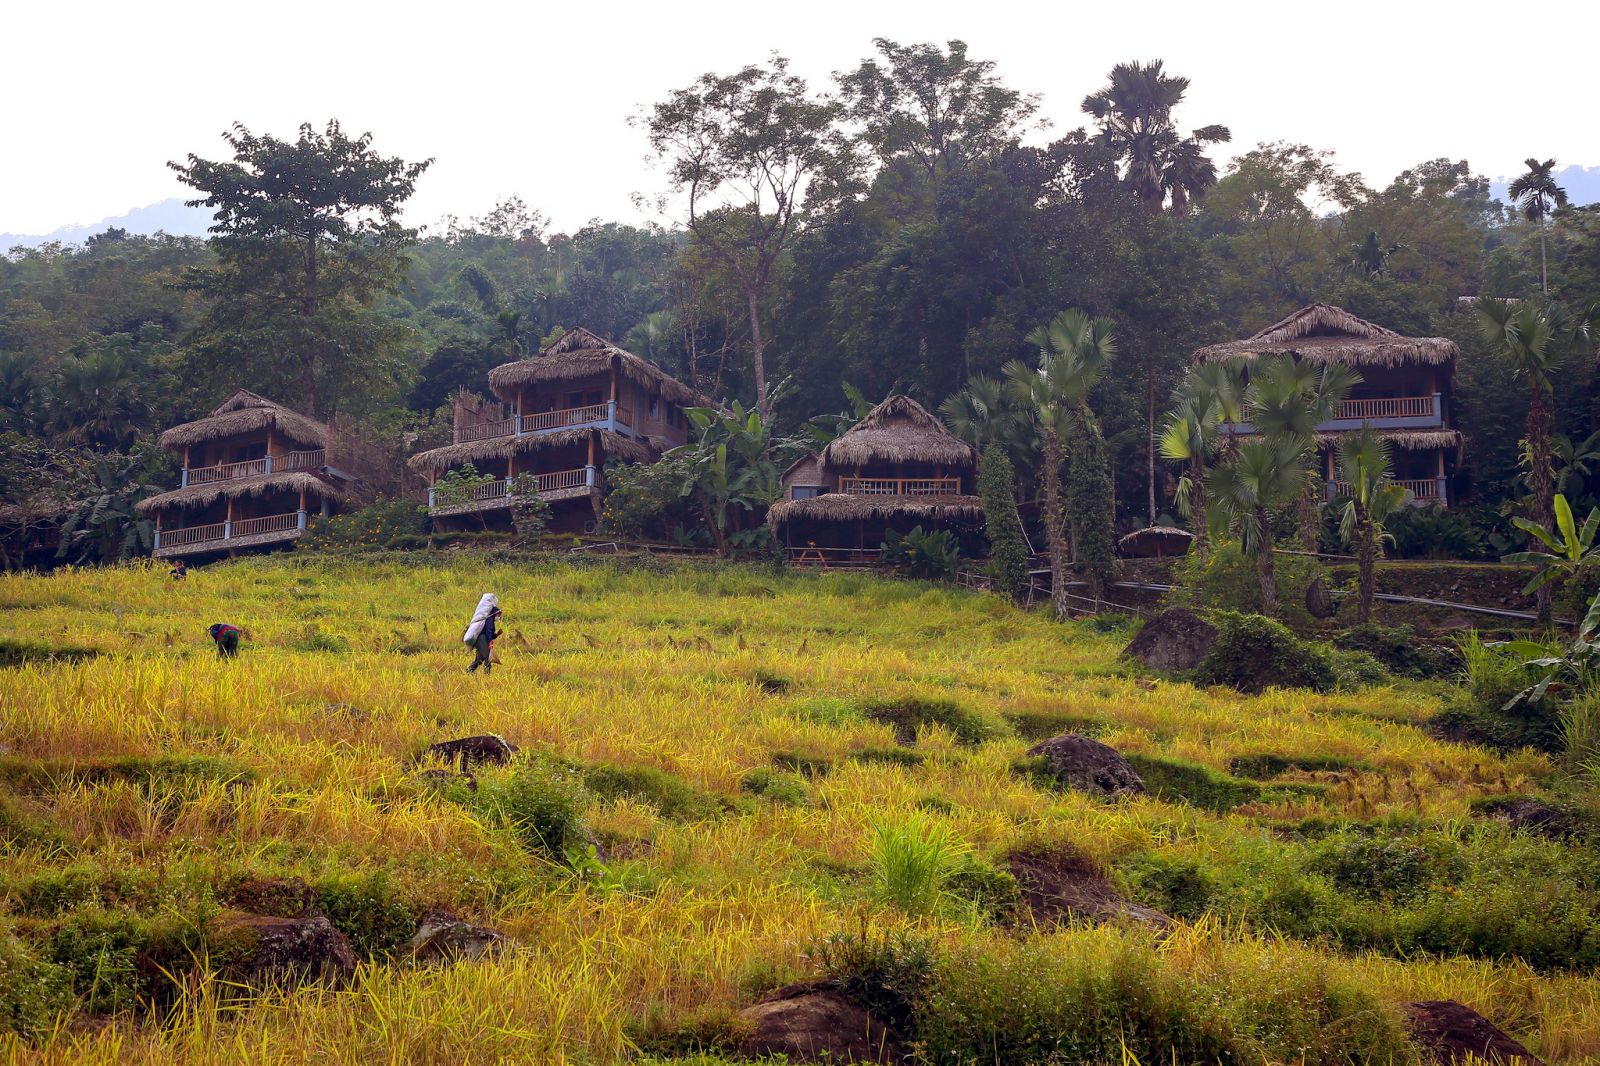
x: 1155, y: 542
x: 245, y: 412
x: 616, y: 446
x: 899, y: 430
x: 1411, y: 440
x: 1323, y: 333
x: 842, y: 507
x: 580, y: 354
x: 320, y: 485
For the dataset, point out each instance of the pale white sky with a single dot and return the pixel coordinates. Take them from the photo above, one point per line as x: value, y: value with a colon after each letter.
x: 533, y: 98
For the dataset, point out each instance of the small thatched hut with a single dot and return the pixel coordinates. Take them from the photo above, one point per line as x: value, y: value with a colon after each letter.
x: 253, y: 471
x: 897, y: 468
x: 578, y: 404
x: 1404, y: 392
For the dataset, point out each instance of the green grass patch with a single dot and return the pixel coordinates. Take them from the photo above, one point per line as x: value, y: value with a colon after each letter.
x: 909, y: 714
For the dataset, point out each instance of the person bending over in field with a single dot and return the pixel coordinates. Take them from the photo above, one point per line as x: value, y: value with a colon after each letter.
x: 481, y: 633
x: 227, y: 638
x: 180, y: 570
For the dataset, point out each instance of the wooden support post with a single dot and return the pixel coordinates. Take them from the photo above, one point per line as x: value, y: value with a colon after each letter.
x: 592, y: 436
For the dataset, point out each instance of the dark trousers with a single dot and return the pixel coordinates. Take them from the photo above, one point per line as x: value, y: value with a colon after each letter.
x: 481, y: 648
x: 227, y: 645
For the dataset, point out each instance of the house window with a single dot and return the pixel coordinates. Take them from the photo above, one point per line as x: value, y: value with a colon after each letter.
x: 806, y: 492
x: 655, y: 407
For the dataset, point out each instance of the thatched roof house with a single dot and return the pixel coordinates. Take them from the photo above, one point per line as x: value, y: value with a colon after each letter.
x: 1322, y: 333
x: 499, y: 450
x: 245, y: 412
x: 581, y: 354
x: 899, y: 430
x: 319, y: 484
x: 898, y: 466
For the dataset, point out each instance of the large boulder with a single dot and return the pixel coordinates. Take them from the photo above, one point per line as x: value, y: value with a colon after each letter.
x: 471, y: 751
x: 442, y: 938
x: 1174, y: 640
x: 815, y: 1022
x: 1452, y: 1031
x: 1060, y: 885
x: 260, y: 950
x: 1075, y: 761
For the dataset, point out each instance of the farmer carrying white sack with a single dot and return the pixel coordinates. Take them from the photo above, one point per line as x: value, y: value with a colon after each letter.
x: 481, y: 633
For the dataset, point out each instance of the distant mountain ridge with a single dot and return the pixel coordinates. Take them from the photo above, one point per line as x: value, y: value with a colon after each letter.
x: 1582, y: 185
x: 168, y: 216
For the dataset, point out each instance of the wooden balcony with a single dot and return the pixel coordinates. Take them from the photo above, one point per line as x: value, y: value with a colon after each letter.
x: 492, y: 495
x: 613, y: 416
x: 1424, y: 491
x: 218, y: 536
x: 311, y: 459
x: 900, y: 486
x: 1386, y: 412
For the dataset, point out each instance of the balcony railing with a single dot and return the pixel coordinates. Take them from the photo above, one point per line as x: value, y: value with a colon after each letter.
x: 497, y: 493
x: 485, y: 430
x: 900, y: 486
x: 1423, y: 490
x: 310, y: 459
x: 545, y: 421
x: 1387, y: 407
x: 220, y: 533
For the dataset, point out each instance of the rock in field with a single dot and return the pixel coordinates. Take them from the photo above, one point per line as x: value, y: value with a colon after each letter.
x: 470, y: 751
x: 261, y: 950
x: 1451, y: 1031
x: 1531, y: 816
x: 1176, y: 640
x: 1059, y: 884
x: 1088, y: 765
x: 441, y: 938
x: 815, y: 1022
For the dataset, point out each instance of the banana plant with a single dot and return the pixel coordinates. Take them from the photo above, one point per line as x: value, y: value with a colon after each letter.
x: 1569, y: 549
x: 1576, y: 669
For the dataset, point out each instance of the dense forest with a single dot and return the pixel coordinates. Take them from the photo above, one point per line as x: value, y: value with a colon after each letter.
x: 905, y: 228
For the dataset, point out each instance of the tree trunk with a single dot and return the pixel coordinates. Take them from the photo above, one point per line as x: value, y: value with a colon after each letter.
x: 308, y: 352
x: 758, y: 351
x: 1309, y: 515
x: 1544, y: 278
x: 1269, y: 580
x: 1150, y: 440
x: 1054, y: 523
x: 1197, y: 508
x: 1541, y: 478
x: 1367, y: 536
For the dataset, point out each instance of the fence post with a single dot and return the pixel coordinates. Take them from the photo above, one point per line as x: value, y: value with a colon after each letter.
x: 227, y: 529
x: 269, y: 463
x: 611, y: 415
x: 589, y: 476
x: 1439, y: 482
x: 300, y: 519
x: 157, y: 545
x: 183, y: 481
x: 1438, y: 407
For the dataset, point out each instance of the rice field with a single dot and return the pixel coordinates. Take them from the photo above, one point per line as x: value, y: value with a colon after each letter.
x: 739, y: 713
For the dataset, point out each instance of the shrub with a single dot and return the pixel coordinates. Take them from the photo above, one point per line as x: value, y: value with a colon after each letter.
x: 1007, y: 565
x: 934, y: 554
x: 1227, y: 580
x: 989, y: 890
x: 912, y: 860
x: 114, y: 961
x: 1253, y: 654
x: 1200, y: 786
x: 1180, y: 887
x: 910, y: 713
x: 1401, y: 651
x: 1090, y: 504
x: 1484, y: 714
x: 369, y: 909
x: 789, y: 789
x: 645, y: 501
x: 530, y: 512
x: 541, y: 802
x: 887, y: 974
x: 668, y: 793
x: 387, y: 525
x: 33, y: 992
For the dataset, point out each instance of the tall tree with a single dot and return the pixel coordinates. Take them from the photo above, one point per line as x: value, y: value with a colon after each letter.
x: 744, y: 150
x: 1134, y: 112
x: 307, y: 234
x: 1074, y: 351
x: 1288, y: 399
x: 1367, y: 473
x: 1263, y: 477
x: 1537, y: 194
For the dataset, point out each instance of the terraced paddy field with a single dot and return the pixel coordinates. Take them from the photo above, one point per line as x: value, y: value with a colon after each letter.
x: 727, y: 781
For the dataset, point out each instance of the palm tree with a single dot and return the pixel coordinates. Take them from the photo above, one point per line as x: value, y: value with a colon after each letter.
x: 1289, y: 398
x: 1135, y: 115
x: 1074, y: 350
x: 1537, y: 194
x: 1265, y: 476
x: 1223, y: 385
x: 979, y: 414
x: 1365, y: 469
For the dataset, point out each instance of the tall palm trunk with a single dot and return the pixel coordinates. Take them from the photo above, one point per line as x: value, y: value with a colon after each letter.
x: 1264, y: 565
x: 1197, y: 507
x: 1544, y: 277
x: 1308, y: 515
x: 1367, y: 562
x: 1055, y: 521
x: 1541, y: 479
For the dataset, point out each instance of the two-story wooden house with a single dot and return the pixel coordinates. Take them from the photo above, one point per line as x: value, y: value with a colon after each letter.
x: 1404, y: 392
x: 253, y: 471
x: 897, y: 468
x: 563, y: 414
